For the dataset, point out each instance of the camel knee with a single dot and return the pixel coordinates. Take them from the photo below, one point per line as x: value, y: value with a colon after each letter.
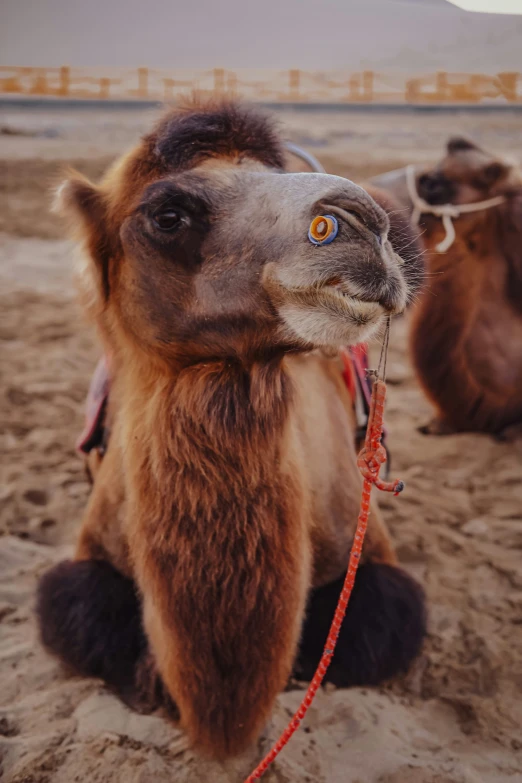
x: 89, y: 616
x: 378, y: 544
x: 382, y: 632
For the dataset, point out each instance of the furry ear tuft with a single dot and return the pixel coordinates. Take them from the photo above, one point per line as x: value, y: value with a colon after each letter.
x: 493, y: 172
x: 77, y: 197
x: 59, y: 202
x: 84, y: 205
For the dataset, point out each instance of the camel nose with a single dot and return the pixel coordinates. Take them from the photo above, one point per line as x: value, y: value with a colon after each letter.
x: 392, y: 292
x: 380, y: 280
x: 392, y: 300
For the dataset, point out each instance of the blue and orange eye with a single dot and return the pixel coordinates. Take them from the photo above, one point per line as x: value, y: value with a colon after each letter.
x: 323, y: 230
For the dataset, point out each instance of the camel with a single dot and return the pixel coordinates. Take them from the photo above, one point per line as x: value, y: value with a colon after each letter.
x: 214, y: 542
x: 466, y: 331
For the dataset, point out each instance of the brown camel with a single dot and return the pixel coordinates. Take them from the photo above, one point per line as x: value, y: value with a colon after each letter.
x: 466, y: 335
x: 223, y: 510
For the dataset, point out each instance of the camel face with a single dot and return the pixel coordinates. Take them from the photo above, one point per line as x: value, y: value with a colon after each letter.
x: 201, y: 250
x: 229, y: 487
x: 223, y: 255
x: 466, y: 174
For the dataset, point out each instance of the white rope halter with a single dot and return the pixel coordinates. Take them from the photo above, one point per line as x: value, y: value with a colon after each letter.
x: 444, y: 211
x: 308, y: 158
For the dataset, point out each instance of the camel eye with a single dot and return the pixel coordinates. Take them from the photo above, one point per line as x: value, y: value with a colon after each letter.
x: 167, y: 220
x: 323, y: 230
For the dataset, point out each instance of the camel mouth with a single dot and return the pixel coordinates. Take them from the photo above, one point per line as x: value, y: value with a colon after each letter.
x: 389, y: 308
x: 351, y: 300
x: 328, y: 316
x: 328, y: 313
x: 355, y: 305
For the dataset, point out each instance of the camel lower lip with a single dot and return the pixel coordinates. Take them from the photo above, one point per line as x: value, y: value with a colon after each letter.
x: 338, y: 302
x: 337, y: 291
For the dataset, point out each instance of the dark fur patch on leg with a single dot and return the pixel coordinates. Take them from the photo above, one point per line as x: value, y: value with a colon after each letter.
x: 382, y: 632
x: 89, y: 616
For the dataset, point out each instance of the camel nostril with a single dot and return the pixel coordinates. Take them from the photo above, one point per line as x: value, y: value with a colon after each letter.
x: 323, y: 230
x: 392, y: 298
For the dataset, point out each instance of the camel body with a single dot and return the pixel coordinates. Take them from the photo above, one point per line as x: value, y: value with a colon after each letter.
x: 287, y: 450
x: 221, y: 516
x: 466, y: 333
x: 466, y: 338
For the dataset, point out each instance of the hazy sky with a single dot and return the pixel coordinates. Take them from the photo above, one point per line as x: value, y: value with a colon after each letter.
x: 491, y: 6
x: 310, y: 34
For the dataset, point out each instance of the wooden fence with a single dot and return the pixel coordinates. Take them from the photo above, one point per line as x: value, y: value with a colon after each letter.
x: 292, y: 86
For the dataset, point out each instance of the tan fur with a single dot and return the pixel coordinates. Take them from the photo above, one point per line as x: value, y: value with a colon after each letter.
x: 466, y: 333
x: 229, y: 487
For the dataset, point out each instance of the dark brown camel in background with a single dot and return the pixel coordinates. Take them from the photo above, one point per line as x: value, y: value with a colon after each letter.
x: 466, y: 334
x: 222, y: 514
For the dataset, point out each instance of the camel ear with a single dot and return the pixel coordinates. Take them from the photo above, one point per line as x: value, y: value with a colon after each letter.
x: 83, y: 205
x: 460, y: 144
x: 493, y: 172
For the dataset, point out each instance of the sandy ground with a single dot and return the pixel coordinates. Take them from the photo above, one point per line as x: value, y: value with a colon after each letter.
x: 455, y: 718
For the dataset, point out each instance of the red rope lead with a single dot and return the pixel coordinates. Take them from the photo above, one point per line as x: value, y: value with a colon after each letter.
x: 370, y: 460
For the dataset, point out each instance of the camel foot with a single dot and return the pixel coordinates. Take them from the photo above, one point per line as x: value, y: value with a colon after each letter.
x: 510, y: 434
x: 89, y: 616
x: 382, y: 632
x: 437, y: 427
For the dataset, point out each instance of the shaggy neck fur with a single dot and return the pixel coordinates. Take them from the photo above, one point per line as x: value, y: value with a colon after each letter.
x: 216, y: 535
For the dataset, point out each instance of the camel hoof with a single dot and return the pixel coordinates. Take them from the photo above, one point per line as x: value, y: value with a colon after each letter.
x: 510, y: 434
x: 436, y: 427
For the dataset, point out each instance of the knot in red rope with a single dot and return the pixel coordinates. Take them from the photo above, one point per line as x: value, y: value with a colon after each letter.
x: 373, y: 454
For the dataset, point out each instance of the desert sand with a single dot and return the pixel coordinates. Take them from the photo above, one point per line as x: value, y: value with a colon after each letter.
x: 455, y: 718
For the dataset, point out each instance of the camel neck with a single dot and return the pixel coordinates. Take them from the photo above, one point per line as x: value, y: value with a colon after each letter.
x: 208, y: 414
x: 217, y: 531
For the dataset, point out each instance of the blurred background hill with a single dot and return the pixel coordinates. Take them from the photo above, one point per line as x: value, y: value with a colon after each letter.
x: 406, y: 35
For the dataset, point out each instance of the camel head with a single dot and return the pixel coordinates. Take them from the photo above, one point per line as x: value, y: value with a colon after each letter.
x: 198, y: 244
x: 466, y: 174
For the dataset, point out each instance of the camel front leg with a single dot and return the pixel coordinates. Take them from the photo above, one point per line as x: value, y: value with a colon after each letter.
x: 101, y: 533
x: 378, y: 546
x: 89, y: 610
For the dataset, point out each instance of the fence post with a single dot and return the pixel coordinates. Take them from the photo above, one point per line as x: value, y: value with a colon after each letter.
x: 411, y: 93
x: 219, y: 81
x: 40, y: 85
x: 143, y: 82
x: 353, y: 87
x: 442, y: 84
x: 294, y: 78
x: 65, y: 80
x: 232, y: 84
x: 367, y: 83
x: 105, y: 84
x: 508, y: 85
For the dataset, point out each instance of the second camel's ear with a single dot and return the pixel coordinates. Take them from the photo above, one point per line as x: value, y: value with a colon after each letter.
x: 460, y: 144
x: 84, y: 206
x: 493, y: 172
